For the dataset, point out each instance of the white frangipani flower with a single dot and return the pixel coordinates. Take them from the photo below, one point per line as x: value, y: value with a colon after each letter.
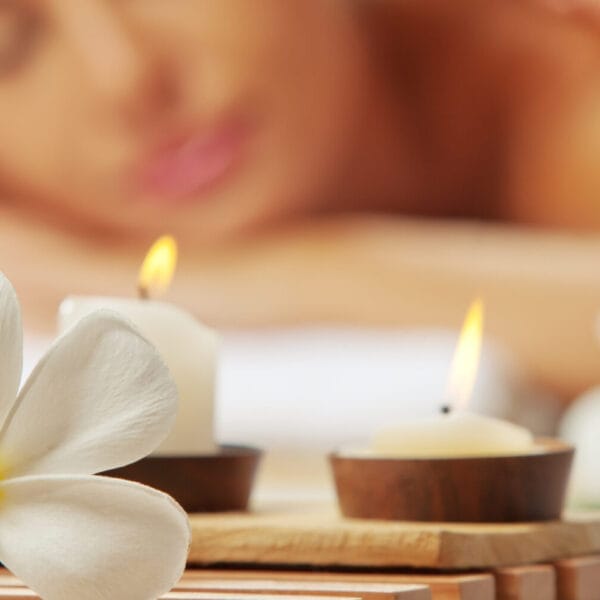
x: 100, y: 398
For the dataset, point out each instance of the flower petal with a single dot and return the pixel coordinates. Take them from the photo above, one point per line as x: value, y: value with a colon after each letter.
x: 11, y: 346
x: 101, y: 398
x: 90, y: 537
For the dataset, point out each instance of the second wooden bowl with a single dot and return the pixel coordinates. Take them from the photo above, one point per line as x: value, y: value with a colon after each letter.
x: 530, y: 487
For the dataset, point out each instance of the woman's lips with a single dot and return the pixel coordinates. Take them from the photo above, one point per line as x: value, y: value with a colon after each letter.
x: 190, y: 165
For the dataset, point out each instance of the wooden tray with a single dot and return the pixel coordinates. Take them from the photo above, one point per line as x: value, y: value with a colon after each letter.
x: 324, y: 539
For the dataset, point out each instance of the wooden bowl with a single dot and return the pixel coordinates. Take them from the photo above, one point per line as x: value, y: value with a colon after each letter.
x: 500, y: 489
x: 209, y: 483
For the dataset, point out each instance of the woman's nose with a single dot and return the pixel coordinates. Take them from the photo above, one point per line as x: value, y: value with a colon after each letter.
x: 123, y: 70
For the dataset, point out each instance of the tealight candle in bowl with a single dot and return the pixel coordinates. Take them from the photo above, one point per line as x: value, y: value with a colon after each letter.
x: 189, y: 464
x: 458, y: 466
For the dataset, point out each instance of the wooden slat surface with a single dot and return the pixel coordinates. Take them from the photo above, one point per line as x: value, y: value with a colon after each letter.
x: 366, y: 591
x: 565, y: 579
x: 192, y: 586
x: 578, y: 578
x: 324, y: 539
x: 19, y: 593
x: 535, y: 582
x: 16, y: 593
x: 9, y: 580
x: 409, y: 593
x: 443, y: 587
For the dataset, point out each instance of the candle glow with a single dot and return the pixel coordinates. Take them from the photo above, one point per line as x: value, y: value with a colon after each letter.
x: 465, y: 363
x: 460, y: 433
x: 156, y: 272
x: 188, y: 348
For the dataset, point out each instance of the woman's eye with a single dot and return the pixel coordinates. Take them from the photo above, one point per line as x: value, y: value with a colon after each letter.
x: 19, y: 28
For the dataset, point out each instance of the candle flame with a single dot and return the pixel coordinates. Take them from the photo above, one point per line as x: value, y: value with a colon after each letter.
x: 466, y: 357
x: 158, y: 267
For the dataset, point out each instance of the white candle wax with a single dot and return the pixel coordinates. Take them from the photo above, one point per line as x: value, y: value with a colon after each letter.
x: 189, y: 350
x: 459, y: 434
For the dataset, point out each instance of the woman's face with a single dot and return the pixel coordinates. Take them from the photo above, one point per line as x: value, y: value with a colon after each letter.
x: 202, y: 117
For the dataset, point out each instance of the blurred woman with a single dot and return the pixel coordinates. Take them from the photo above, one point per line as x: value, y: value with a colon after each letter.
x: 265, y: 135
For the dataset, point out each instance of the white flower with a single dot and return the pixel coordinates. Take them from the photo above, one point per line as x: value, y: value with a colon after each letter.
x: 100, y: 398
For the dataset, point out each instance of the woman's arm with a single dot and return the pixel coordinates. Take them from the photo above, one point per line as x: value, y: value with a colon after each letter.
x: 542, y: 290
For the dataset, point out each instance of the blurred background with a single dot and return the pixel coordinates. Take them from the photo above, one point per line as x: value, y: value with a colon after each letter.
x: 343, y: 178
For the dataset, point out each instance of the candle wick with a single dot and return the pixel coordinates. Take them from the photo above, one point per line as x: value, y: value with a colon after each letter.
x: 446, y: 409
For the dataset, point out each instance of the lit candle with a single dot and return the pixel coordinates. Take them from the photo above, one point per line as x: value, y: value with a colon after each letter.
x: 188, y: 348
x: 456, y: 432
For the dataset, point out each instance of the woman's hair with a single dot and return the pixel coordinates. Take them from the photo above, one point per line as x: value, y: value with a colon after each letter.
x: 415, y: 46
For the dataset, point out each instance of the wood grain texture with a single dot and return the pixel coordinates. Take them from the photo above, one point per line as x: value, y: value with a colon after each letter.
x: 443, y: 587
x: 325, y: 539
x: 17, y: 593
x: 534, y: 582
x: 487, y: 489
x: 203, y: 595
x: 410, y: 593
x: 324, y: 589
x: 228, y: 585
x: 212, y: 483
x: 7, y: 579
x: 578, y: 578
